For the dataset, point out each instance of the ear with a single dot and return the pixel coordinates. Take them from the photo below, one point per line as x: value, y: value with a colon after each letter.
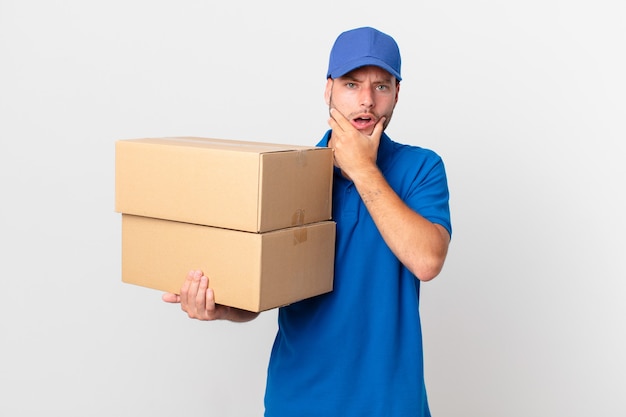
x: 328, y: 90
x: 397, y: 91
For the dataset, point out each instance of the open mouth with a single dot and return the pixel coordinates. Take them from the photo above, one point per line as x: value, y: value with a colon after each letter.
x: 362, y: 122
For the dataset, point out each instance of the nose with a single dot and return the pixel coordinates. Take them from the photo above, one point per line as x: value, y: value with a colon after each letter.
x: 366, y: 99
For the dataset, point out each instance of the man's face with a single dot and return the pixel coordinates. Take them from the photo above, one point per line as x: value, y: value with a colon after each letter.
x: 363, y: 96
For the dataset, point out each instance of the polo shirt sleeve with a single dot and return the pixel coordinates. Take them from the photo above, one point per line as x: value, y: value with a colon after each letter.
x: 428, y: 192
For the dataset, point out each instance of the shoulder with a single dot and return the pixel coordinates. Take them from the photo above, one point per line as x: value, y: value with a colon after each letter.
x: 404, y: 157
x: 413, y: 151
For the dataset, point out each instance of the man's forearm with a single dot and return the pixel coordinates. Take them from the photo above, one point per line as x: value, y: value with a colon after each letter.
x: 419, y: 244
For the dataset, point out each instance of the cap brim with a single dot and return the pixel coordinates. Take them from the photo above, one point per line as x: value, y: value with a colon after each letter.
x: 362, y: 62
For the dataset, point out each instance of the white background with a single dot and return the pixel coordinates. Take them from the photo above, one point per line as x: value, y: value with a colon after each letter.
x: 524, y: 100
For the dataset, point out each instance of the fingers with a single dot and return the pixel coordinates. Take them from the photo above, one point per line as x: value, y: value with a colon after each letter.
x: 192, y: 292
x: 197, y: 299
x: 184, y: 290
x: 338, y: 120
x: 189, y: 291
x: 201, y: 286
x: 209, y: 300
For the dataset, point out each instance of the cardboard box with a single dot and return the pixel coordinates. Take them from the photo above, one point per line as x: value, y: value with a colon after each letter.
x: 249, y: 186
x: 251, y: 271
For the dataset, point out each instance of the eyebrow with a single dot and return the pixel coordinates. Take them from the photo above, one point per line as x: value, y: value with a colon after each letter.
x: 383, y: 80
x: 388, y: 80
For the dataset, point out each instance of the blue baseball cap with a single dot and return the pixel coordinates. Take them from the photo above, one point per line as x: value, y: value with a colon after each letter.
x: 364, y: 46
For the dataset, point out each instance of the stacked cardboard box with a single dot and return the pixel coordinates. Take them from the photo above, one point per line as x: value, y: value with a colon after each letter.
x: 255, y: 217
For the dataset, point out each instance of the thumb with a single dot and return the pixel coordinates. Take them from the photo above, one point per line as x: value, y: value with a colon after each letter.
x: 168, y: 297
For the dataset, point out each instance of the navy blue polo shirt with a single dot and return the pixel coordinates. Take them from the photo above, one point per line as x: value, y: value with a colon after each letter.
x: 357, y: 351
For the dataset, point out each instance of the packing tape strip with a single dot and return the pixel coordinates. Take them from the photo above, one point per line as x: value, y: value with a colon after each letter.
x: 297, y: 219
x: 301, y: 159
x: 300, y: 235
x: 299, y: 231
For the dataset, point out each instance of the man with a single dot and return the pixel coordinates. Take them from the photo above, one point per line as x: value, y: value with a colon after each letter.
x: 357, y: 351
